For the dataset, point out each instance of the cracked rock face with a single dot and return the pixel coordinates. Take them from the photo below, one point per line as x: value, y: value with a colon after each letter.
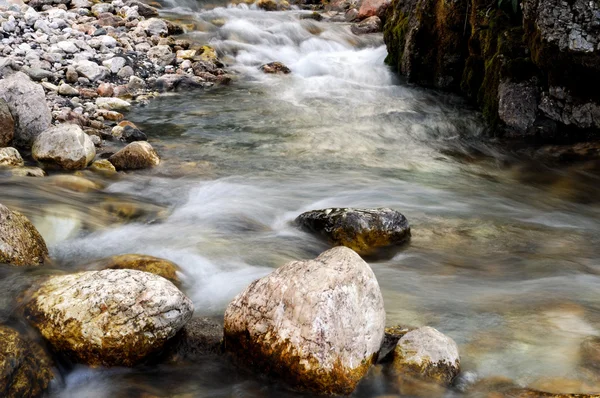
x: 317, y: 324
x: 25, y: 369
x: 426, y: 353
x: 366, y: 231
x: 109, y: 317
x: 20, y: 242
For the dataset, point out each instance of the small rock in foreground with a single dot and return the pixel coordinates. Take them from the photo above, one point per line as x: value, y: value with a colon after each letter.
x: 20, y: 243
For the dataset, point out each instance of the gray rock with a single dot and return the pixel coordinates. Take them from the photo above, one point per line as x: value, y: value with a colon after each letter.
x: 65, y: 146
x: 10, y: 157
x: 263, y: 327
x: 112, y: 104
x: 154, y: 27
x: 27, y: 103
x: 115, y: 64
x: 38, y: 74
x: 137, y: 155
x: 426, y: 353
x: 144, y: 10
x: 90, y: 70
x: 369, y: 25
x: 367, y: 231
x: 518, y: 105
x: 114, y: 317
x: 7, y: 124
x: 65, y: 89
x: 20, y: 243
x: 200, y: 337
x: 126, y: 72
x: 161, y: 55
x: 177, y: 82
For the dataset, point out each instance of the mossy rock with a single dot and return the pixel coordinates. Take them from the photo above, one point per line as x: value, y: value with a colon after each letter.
x: 20, y: 242
x: 369, y: 232
x: 25, y: 368
x: 142, y: 262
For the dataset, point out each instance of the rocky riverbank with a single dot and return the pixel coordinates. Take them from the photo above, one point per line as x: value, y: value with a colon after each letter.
x: 84, y: 64
x: 528, y: 65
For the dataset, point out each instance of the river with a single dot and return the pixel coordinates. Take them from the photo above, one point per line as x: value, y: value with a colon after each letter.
x: 504, y: 256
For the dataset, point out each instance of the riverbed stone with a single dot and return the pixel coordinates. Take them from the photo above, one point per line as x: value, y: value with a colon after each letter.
x: 90, y: 70
x: 66, y: 146
x: 25, y: 368
x: 103, y: 166
x: 10, y: 157
x: 20, y: 242
x: 26, y: 101
x: 369, y: 25
x: 199, y: 338
x: 137, y: 155
x: 113, y: 104
x: 367, y: 231
x: 425, y: 353
x: 27, y: 172
x: 112, y: 317
x: 275, y: 68
x: 67, y: 90
x: 128, y: 133
x: 7, y: 124
x: 142, y: 262
x: 161, y: 55
x: 288, y: 323
x: 370, y: 8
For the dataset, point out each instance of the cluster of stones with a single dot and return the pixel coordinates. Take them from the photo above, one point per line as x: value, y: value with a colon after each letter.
x: 69, y: 69
x: 286, y: 324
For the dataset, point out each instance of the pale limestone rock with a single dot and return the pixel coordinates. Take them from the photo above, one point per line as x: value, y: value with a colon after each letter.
x: 10, y: 157
x: 318, y: 323
x: 109, y: 317
x: 66, y: 146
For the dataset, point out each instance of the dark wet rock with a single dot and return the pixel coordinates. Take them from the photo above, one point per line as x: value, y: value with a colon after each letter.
x: 425, y: 353
x: 7, y: 124
x: 128, y: 132
x: 319, y: 351
x: 20, y: 243
x: 25, y: 368
x: 390, y: 340
x: 66, y: 146
x: 366, y: 231
x: 200, y: 337
x: 275, y: 68
x: 113, y: 317
x: 523, y: 70
x: 369, y: 25
x: 142, y: 262
x: 27, y: 103
x: 137, y: 155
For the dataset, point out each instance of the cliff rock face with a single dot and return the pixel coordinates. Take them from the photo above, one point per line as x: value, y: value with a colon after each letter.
x: 530, y: 69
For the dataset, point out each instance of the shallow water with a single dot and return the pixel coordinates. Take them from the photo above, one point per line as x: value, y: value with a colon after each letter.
x: 504, y: 253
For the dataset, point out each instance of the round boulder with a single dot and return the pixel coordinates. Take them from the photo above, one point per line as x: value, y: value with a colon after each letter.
x: 366, y: 231
x: 20, y: 242
x: 137, y: 155
x: 109, y: 317
x: 10, y: 157
x: 27, y: 103
x: 25, y: 368
x: 425, y: 353
x: 141, y: 262
x: 288, y: 323
x: 66, y: 146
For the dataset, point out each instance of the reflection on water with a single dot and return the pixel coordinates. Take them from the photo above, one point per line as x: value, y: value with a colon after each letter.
x: 504, y: 256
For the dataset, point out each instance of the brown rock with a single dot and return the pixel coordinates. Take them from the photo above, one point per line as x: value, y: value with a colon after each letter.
x: 137, y: 155
x: 370, y: 8
x: 7, y: 124
x: 275, y: 68
x: 142, y: 262
x: 105, y: 90
x: 25, y: 368
x: 20, y: 243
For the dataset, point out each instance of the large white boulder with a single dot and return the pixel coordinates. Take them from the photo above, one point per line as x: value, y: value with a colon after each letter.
x: 66, y: 146
x: 318, y: 324
x: 114, y: 317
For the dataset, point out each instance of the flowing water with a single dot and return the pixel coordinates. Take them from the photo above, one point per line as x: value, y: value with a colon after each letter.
x: 504, y: 256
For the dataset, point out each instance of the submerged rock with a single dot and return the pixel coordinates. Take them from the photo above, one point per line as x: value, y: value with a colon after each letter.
x: 137, y: 155
x: 288, y: 323
x: 66, y: 146
x: 199, y: 338
x: 425, y: 353
x: 25, y: 368
x: 142, y: 262
x: 275, y: 68
x: 10, y: 157
x: 590, y: 353
x: 366, y: 231
x: 20, y: 242
x: 109, y: 317
x: 27, y: 103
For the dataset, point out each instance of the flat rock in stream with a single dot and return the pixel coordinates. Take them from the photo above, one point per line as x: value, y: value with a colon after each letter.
x: 25, y: 368
x: 110, y: 317
x: 288, y: 323
x: 20, y: 243
x: 366, y: 231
